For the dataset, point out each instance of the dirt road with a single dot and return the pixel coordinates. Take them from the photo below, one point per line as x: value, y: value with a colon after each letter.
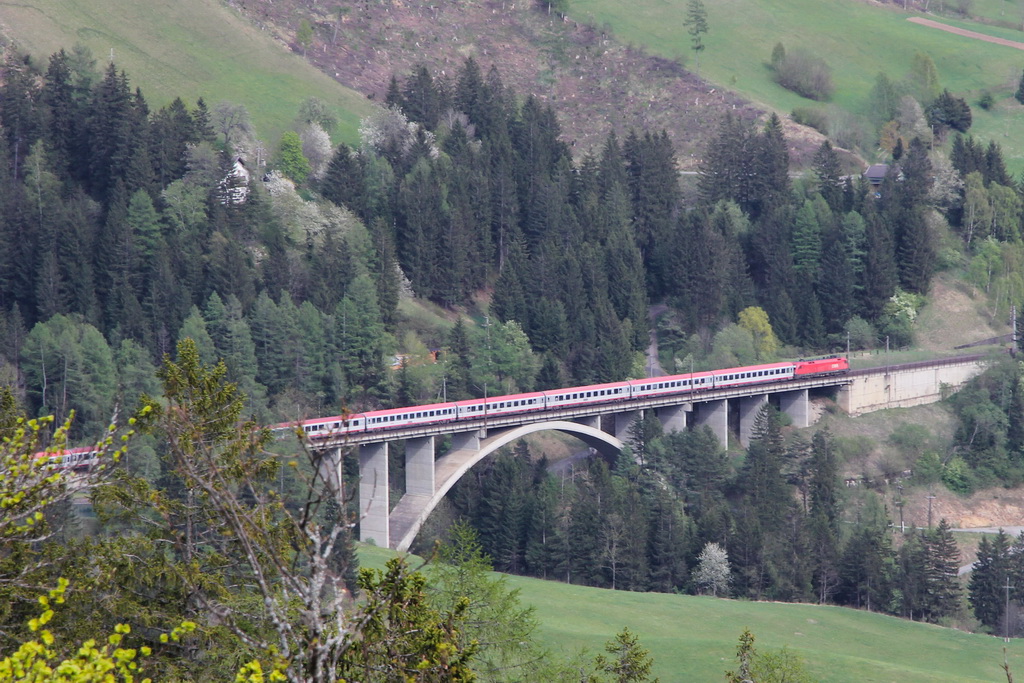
x: 966, y: 33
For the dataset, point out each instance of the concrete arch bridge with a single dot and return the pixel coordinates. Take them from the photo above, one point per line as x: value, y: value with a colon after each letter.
x: 605, y: 427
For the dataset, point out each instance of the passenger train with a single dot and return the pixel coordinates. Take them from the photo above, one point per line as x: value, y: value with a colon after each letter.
x: 72, y: 458
x: 379, y: 420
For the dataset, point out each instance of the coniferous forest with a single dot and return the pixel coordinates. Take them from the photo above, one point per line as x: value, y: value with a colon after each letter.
x: 127, y: 230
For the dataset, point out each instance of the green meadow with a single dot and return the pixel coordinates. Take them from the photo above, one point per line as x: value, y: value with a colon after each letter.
x: 694, y: 638
x: 187, y: 48
x: 856, y: 39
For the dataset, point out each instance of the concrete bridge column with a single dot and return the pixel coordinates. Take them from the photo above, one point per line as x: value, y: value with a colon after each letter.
x: 796, y: 405
x: 589, y: 421
x: 624, y: 424
x: 673, y: 418
x: 715, y: 414
x: 330, y: 470
x: 466, y: 441
x: 750, y: 406
x: 373, y: 494
x: 419, y: 466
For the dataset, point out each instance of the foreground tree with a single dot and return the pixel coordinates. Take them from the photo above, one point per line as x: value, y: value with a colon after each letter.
x: 780, y: 666
x: 629, y: 662
x: 222, y: 514
x: 495, y: 620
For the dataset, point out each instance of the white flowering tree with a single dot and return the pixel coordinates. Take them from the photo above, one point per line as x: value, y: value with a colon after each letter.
x: 712, y: 572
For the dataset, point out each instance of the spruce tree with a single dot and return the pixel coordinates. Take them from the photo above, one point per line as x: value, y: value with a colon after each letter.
x: 696, y: 23
x: 987, y: 583
x: 880, y: 275
x: 941, y: 579
x: 829, y: 174
x: 806, y: 243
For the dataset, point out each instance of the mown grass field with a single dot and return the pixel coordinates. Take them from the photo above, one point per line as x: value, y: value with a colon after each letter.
x: 693, y: 639
x: 856, y: 39
x: 187, y: 48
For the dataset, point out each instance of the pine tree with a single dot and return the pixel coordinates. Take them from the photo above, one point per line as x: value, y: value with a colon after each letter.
x: 943, y: 586
x: 63, y: 113
x: 986, y: 585
x: 807, y: 243
x: 880, y: 275
x: 343, y: 181
x: 361, y: 343
x: 836, y: 291
x: 913, y: 562
x: 696, y: 23
x: 629, y: 662
x: 914, y: 249
x: 509, y: 302
x: 459, y: 363
x: 764, y: 484
x: 19, y: 116
x: 829, y: 175
x: 995, y: 166
x: 421, y: 101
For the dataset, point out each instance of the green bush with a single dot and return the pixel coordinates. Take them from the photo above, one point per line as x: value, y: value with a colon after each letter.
x: 805, y: 74
x: 809, y: 116
x: 957, y: 477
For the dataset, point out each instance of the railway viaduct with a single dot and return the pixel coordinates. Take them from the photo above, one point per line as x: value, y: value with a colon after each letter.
x: 605, y: 428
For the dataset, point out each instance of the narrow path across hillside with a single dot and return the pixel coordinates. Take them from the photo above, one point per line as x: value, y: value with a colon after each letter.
x: 967, y: 34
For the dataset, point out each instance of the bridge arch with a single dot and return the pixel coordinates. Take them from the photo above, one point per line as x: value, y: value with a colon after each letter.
x: 455, y: 464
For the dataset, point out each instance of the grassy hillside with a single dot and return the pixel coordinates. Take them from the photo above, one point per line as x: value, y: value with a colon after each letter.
x: 856, y: 39
x: 694, y: 639
x: 188, y: 48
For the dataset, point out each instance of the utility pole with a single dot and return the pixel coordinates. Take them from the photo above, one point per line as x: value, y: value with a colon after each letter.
x: 1013, y: 332
x: 899, y: 504
x: 930, y: 499
x: 1006, y: 614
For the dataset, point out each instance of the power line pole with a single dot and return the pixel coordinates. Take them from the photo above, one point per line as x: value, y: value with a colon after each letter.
x: 1013, y: 332
x: 1006, y: 614
x: 930, y: 499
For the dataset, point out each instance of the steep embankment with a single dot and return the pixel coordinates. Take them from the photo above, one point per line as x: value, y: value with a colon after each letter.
x: 188, y: 48
x: 595, y: 82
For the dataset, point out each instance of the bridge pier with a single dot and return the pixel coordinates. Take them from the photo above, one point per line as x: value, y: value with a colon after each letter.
x: 750, y: 406
x: 624, y: 424
x: 466, y: 441
x: 797, y: 406
x: 673, y: 418
x: 373, y: 494
x: 589, y: 421
x: 331, y: 466
x: 419, y: 466
x: 715, y: 414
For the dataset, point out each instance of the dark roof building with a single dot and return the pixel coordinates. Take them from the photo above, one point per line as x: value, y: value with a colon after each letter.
x: 876, y: 173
